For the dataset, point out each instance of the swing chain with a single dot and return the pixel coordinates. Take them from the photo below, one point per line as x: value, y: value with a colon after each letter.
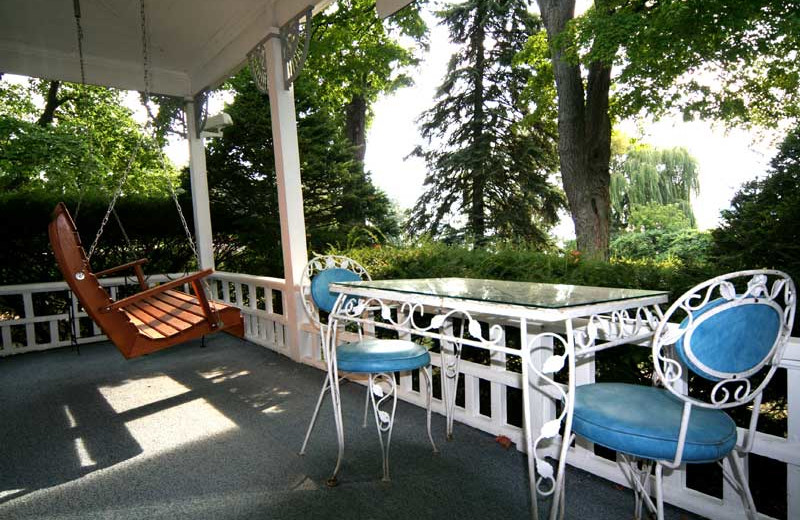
x: 159, y: 152
x: 117, y: 193
x: 79, y: 33
x: 77, y: 7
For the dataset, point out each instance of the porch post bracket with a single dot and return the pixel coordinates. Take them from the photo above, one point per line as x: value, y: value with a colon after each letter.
x: 200, y: 111
x: 295, y: 36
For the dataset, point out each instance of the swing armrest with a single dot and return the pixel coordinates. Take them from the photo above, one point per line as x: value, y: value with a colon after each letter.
x: 133, y: 264
x: 137, y: 268
x: 158, y: 289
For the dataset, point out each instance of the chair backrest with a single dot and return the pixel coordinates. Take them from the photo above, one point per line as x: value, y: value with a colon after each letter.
x: 72, y: 262
x: 734, y: 327
x: 319, y: 273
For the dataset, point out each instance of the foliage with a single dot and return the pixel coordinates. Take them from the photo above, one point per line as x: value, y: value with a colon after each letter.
x: 435, y: 259
x: 716, y: 59
x: 337, y: 195
x: 150, y: 222
x: 655, y: 216
x: 687, y: 246
x: 645, y: 177
x: 762, y: 228
x: 85, y: 149
x: 353, y: 54
x: 487, y: 163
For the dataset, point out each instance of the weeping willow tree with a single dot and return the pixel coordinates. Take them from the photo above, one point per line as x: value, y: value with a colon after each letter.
x: 642, y: 175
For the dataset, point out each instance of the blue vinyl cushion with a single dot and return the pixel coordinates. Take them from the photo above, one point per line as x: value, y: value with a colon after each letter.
x: 323, y: 298
x: 732, y: 341
x: 381, y: 355
x: 645, y: 421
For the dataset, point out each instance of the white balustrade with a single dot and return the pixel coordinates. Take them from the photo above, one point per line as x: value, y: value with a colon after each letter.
x: 263, y: 300
x: 256, y: 296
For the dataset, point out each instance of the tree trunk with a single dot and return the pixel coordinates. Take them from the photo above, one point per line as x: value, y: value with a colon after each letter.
x: 584, y: 136
x: 52, y: 102
x: 356, y: 126
x: 476, y: 219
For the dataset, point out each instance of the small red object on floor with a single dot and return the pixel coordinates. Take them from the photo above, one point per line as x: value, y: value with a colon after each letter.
x: 503, y: 441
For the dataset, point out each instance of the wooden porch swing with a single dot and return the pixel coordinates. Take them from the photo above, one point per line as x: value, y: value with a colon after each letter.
x: 157, y: 317
x: 153, y: 319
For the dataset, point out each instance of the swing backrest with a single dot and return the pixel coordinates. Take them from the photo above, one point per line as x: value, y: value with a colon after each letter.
x: 72, y: 262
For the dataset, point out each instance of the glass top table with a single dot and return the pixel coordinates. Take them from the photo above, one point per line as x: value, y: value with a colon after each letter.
x: 544, y: 296
x: 591, y: 319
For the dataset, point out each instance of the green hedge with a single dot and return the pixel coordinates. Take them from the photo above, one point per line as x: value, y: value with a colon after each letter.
x: 512, y: 263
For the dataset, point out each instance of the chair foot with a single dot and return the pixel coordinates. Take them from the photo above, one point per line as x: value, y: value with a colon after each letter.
x: 332, y: 482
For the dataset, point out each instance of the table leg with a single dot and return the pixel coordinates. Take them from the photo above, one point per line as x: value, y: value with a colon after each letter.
x: 450, y: 356
x: 566, y: 436
x: 527, y: 425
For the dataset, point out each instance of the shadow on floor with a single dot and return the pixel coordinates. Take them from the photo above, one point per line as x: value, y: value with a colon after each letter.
x: 214, y: 432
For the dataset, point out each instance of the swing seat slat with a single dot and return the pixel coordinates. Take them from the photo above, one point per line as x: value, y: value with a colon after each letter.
x: 153, y: 319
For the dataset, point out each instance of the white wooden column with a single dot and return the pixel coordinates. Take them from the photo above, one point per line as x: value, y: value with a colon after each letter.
x: 290, y: 193
x: 200, y: 205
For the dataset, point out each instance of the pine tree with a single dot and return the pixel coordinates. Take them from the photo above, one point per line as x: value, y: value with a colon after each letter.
x: 487, y: 163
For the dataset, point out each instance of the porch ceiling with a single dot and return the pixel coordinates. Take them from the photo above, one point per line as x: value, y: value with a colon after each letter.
x: 194, y: 44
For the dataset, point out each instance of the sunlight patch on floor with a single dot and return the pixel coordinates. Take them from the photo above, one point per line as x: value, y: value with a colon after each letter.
x: 70, y: 418
x: 178, y: 425
x: 221, y: 375
x: 84, y: 458
x: 141, y: 392
x: 4, y: 493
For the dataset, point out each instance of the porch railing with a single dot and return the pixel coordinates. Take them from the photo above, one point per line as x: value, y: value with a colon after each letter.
x: 44, y: 323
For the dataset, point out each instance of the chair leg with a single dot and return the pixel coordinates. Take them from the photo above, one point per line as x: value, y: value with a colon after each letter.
x: 639, y: 479
x: 383, y: 420
x: 429, y: 400
x: 313, y: 422
x: 643, y: 477
x: 333, y: 382
x: 742, y: 482
x: 659, y: 492
x: 366, y: 407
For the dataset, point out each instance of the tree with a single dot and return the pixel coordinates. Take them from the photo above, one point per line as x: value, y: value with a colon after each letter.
x: 655, y: 216
x: 644, y: 176
x: 337, y: 196
x: 80, y: 141
x: 486, y: 161
x: 762, y: 228
x: 354, y: 57
x: 720, y: 59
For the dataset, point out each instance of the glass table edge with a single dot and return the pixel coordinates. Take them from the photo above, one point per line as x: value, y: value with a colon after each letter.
x: 647, y: 295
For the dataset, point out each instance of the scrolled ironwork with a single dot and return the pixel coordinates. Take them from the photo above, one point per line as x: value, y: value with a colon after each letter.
x: 545, y: 473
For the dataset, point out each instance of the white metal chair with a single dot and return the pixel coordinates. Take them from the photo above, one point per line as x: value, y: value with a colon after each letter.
x: 733, y: 334
x: 378, y: 358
